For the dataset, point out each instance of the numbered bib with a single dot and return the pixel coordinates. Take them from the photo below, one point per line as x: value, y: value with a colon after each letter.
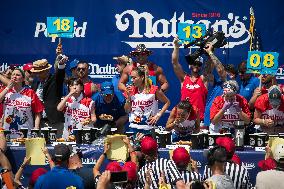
x: 262, y: 62
x: 60, y: 26
x: 190, y: 32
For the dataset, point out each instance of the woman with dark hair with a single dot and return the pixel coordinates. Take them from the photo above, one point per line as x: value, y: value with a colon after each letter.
x: 142, y: 102
x: 78, y: 110
x: 183, y: 121
x: 20, y: 103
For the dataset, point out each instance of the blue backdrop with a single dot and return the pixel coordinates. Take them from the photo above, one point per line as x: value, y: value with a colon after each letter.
x: 108, y: 28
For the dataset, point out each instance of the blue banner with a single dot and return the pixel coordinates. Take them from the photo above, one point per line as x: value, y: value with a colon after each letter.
x: 103, y: 29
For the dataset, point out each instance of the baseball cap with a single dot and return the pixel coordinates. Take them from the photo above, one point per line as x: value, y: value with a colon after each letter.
x: 227, y: 143
x: 35, y: 174
x: 27, y: 66
x: 181, y: 156
x: 107, y: 88
x: 131, y: 169
x: 73, y: 64
x: 236, y: 159
x: 267, y: 164
x: 62, y: 152
x: 114, y: 166
x: 148, y: 145
x: 274, y: 95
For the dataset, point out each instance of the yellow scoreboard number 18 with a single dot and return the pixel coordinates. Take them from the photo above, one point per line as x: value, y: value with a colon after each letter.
x: 63, y: 25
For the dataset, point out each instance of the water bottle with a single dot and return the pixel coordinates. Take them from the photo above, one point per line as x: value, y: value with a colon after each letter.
x: 239, y: 134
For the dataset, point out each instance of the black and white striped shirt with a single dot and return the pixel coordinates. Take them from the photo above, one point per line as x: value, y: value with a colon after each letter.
x: 239, y: 175
x: 189, y: 176
x: 168, y: 166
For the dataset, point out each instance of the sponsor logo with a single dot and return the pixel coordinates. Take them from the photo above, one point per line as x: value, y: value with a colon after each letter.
x: 233, y: 26
x: 79, y: 31
x: 97, y: 71
x: 142, y: 104
x: 191, y: 87
x: 248, y: 165
x: 280, y: 73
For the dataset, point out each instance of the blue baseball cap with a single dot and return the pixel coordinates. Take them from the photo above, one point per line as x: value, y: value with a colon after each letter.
x: 107, y: 88
x: 73, y: 64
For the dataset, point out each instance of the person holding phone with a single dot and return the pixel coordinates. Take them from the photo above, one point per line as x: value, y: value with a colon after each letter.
x: 142, y: 100
x: 228, y: 108
x: 183, y: 121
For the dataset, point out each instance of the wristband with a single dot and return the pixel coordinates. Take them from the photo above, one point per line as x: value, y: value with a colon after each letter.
x: 159, y: 114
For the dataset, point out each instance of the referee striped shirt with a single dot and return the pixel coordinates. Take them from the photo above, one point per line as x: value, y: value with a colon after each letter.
x: 189, y: 176
x: 168, y: 166
x: 239, y: 175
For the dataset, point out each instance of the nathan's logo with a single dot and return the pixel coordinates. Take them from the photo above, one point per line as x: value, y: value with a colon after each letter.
x: 142, y: 104
x: 78, y: 31
x: 233, y: 28
x: 280, y: 73
x: 248, y: 165
x: 97, y: 71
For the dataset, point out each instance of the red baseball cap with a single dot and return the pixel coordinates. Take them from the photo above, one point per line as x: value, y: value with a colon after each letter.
x: 148, y: 145
x: 131, y: 169
x: 227, y: 143
x: 35, y: 174
x: 113, y: 166
x: 27, y: 66
x: 236, y: 159
x: 267, y: 164
x: 181, y: 156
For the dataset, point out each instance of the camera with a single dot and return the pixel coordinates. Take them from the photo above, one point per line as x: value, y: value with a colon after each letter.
x: 217, y: 39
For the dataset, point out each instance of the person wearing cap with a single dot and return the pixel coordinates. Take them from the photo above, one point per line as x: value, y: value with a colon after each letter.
x: 149, y: 149
x: 216, y: 159
x: 109, y: 109
x: 235, y: 170
x: 49, y: 89
x: 28, y: 74
x: 182, y: 159
x: 183, y: 121
x: 72, y: 68
x: 79, y: 111
x: 228, y: 108
x: 60, y: 176
x: 193, y: 85
x: 82, y: 72
x: 269, y: 111
x: 273, y: 178
x: 142, y: 100
x: 22, y: 107
x: 141, y: 53
x: 122, y: 62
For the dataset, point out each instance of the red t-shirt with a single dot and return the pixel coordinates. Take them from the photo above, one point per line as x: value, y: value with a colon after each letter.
x: 196, y: 92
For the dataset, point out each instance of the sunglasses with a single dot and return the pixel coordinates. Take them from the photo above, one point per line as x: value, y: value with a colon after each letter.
x: 79, y: 69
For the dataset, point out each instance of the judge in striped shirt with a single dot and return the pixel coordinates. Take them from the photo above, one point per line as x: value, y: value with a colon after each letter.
x: 182, y: 159
x: 149, y: 148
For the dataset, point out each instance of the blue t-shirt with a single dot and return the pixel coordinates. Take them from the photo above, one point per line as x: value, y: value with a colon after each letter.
x: 115, y: 108
x: 59, y: 178
x: 247, y: 88
x: 118, y: 93
x: 216, y: 91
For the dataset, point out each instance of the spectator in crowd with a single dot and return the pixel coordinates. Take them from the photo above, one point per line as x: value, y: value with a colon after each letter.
x: 228, y: 108
x: 216, y: 160
x: 269, y: 111
x: 20, y: 103
x: 75, y: 165
x: 82, y: 72
x: 193, y: 85
x: 109, y: 109
x: 142, y: 102
x: 4, y: 162
x: 249, y: 84
x: 233, y: 168
x: 183, y: 121
x: 149, y: 148
x: 78, y: 110
x: 60, y: 176
x: 122, y: 62
x: 156, y: 74
x: 8, y: 72
x: 49, y: 89
x: 182, y: 159
x: 273, y: 178
x: 28, y: 74
x: 33, y: 178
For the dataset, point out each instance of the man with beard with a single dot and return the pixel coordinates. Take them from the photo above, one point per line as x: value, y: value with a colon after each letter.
x: 155, y: 72
x: 249, y: 84
x: 82, y: 72
x: 193, y: 85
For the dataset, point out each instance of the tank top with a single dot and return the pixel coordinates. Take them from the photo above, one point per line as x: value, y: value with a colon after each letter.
x: 196, y: 92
